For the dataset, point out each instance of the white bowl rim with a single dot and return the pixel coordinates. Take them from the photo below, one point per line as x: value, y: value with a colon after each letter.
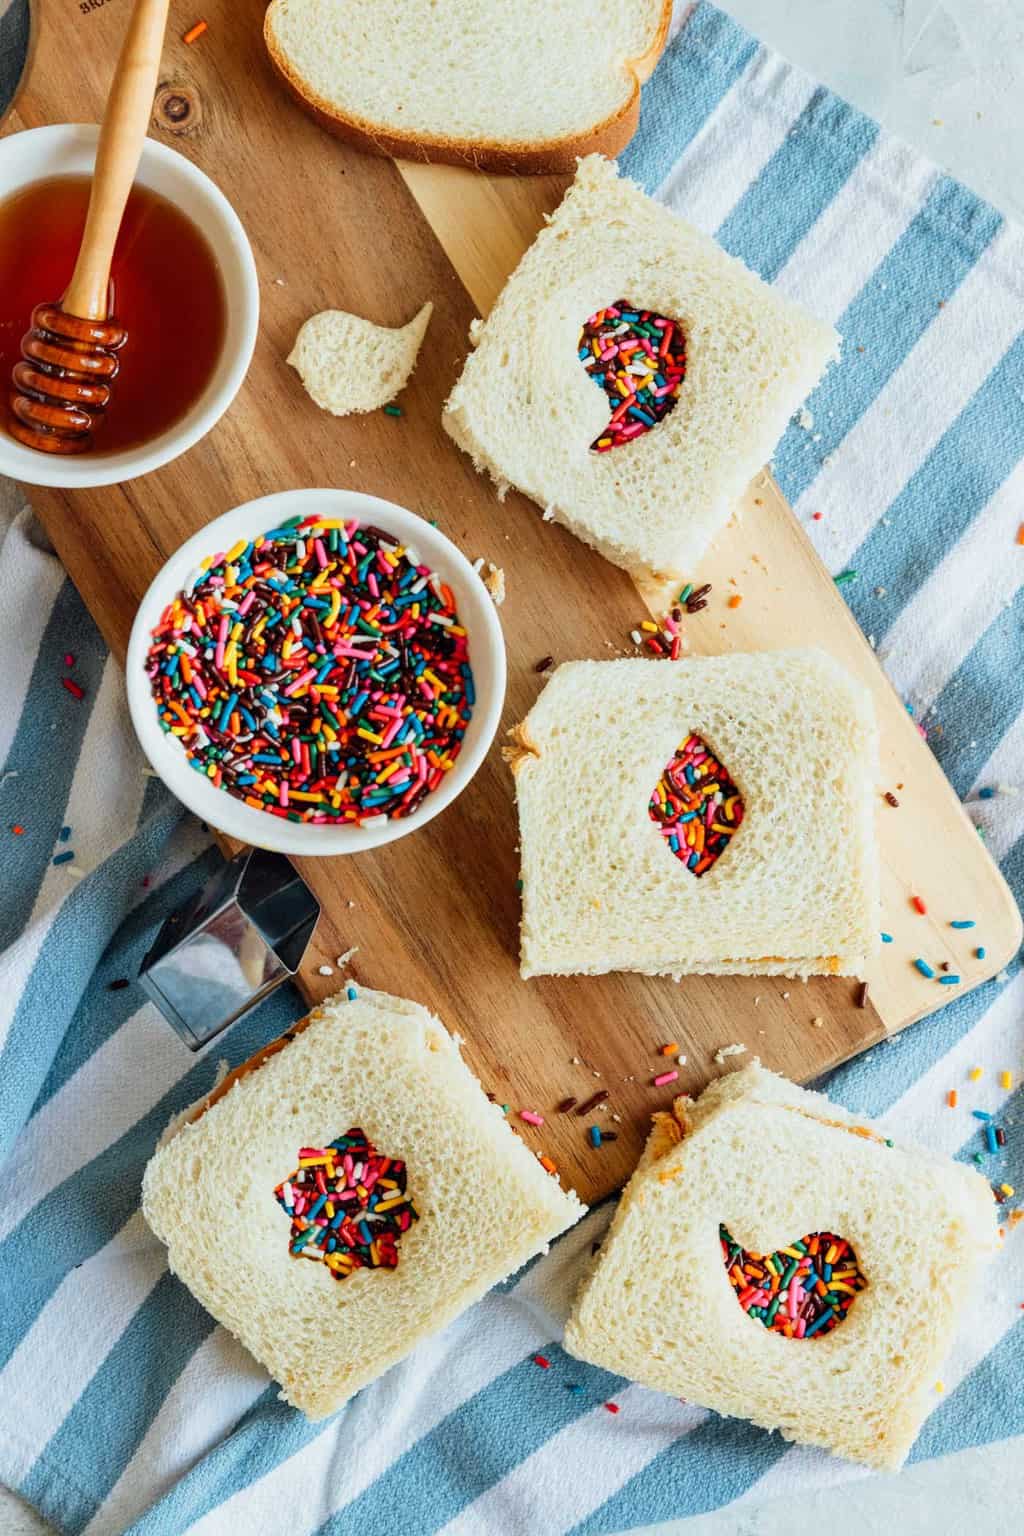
x: 230, y: 815
x: 88, y: 471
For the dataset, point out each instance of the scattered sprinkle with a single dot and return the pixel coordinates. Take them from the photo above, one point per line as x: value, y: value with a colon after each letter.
x: 325, y: 970
x: 18, y: 829
x: 951, y: 1098
x: 319, y: 673
x: 612, y: 1407
x: 348, y: 1205
x: 566, y: 1105
x: 862, y: 995
x: 844, y: 577
x: 639, y: 359
x: 594, y: 1100
x: 63, y: 858
x: 670, y: 1048
x: 886, y: 938
x: 917, y: 902
x: 979, y: 953
x: 990, y: 1138
x: 697, y: 806
x: 573, y: 1387
x: 975, y: 1074
x: 801, y: 1291
x: 734, y: 601
x: 939, y: 1387
x: 63, y: 834
x: 725, y: 1051
x: 548, y: 1165
x: 347, y: 957
x: 595, y: 1135
x: 531, y: 1117
x: 1006, y: 1079
x: 924, y: 967
x: 542, y: 1361
x: 665, y: 1077
x: 545, y: 664
x: 1020, y: 534
x: 988, y: 793
x: 963, y: 922
x: 890, y: 798
x: 351, y: 994
x: 392, y: 410
x: 194, y: 33
x: 69, y: 659
x: 73, y: 688
x: 981, y: 1114
x: 949, y: 981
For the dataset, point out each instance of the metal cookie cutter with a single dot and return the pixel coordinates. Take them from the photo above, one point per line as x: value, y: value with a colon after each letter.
x: 227, y: 948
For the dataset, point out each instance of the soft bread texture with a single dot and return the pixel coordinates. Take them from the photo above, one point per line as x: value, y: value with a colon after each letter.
x: 521, y: 87
x: 795, y: 892
x: 775, y: 1162
x: 485, y: 1205
x: 527, y: 412
x: 348, y: 364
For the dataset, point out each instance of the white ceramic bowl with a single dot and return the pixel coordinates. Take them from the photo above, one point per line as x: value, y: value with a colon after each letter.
x: 69, y: 150
x: 486, y: 657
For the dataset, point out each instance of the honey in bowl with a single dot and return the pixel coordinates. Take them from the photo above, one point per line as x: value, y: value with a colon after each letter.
x: 168, y: 294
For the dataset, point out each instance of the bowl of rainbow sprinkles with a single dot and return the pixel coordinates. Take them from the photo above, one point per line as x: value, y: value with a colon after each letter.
x: 316, y: 672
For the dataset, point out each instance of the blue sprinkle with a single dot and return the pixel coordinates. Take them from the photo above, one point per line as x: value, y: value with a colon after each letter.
x: 988, y: 793
x: 352, y: 994
x: 979, y: 953
x: 595, y: 1135
x: 990, y: 1138
x: 64, y: 834
x: 926, y: 970
x: 63, y: 858
x: 573, y: 1387
x: 949, y: 981
x: 963, y: 922
x: 981, y: 1114
x: 886, y: 938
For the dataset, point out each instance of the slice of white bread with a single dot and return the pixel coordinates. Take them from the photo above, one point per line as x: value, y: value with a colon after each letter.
x: 515, y: 87
x: 484, y: 1204
x: 349, y: 364
x: 796, y: 890
x: 527, y: 411
x: 775, y: 1163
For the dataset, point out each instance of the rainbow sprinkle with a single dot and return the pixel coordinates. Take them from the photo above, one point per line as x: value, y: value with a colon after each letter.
x: 802, y: 1291
x: 348, y: 1205
x: 697, y: 806
x: 318, y: 673
x: 639, y: 359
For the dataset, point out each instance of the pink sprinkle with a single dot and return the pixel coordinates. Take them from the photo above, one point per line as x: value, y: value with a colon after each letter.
x: 665, y: 1077
x: 69, y: 659
x: 531, y: 1117
x: 73, y: 688
x: 612, y: 1407
x: 542, y: 1361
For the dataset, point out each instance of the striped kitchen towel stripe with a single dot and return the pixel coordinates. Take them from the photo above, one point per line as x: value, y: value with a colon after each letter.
x: 121, y: 1404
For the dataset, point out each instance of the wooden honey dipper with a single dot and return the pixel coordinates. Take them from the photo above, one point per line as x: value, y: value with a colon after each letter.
x: 70, y: 355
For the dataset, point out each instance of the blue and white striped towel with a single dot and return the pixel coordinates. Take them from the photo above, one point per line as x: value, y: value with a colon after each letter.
x: 121, y: 1404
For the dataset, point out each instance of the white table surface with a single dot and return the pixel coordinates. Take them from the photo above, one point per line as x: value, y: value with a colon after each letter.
x: 948, y: 76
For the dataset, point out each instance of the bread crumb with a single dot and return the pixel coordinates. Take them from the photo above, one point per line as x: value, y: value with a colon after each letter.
x: 818, y: 1023
x: 725, y: 1051
x: 344, y: 959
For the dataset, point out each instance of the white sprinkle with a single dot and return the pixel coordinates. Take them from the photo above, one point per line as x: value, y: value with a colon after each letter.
x: 344, y: 959
x: 325, y: 970
x: 478, y: 564
x: 726, y: 1051
x: 636, y: 637
x: 681, y: 1060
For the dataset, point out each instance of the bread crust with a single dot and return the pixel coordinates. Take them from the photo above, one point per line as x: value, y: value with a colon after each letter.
x: 553, y: 157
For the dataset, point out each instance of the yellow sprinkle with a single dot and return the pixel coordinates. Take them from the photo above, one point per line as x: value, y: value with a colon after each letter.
x: 651, y: 629
x: 1005, y: 1079
x: 1008, y: 1190
x: 975, y: 1074
x: 235, y: 550
x: 939, y: 1387
x: 369, y: 735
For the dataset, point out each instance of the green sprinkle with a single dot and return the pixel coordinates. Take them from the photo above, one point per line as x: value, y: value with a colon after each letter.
x: 684, y: 594
x: 392, y: 410
x: 844, y: 577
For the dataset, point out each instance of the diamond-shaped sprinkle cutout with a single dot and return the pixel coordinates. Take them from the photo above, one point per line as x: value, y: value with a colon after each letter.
x: 639, y: 359
x: 697, y: 806
x: 802, y: 1291
x: 348, y: 1204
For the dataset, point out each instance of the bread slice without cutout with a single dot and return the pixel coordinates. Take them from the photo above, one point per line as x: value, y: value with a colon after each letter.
x: 484, y: 1204
x: 522, y: 87
x: 528, y: 412
x: 774, y: 1163
x: 796, y: 890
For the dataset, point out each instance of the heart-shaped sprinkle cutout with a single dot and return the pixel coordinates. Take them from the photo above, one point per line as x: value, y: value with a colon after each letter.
x: 348, y: 1205
x: 639, y: 359
x: 697, y: 806
x: 802, y: 1291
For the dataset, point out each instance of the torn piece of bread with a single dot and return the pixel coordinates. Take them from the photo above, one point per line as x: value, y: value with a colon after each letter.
x: 528, y: 412
x: 512, y: 88
x: 483, y: 1204
x: 349, y: 364
x: 792, y: 891
x: 774, y: 1164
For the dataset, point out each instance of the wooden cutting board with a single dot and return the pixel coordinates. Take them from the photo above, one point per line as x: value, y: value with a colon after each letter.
x: 435, y: 916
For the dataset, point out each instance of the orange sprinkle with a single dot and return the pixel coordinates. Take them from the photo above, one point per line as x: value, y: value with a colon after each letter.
x: 548, y: 1165
x: 735, y: 600
x: 195, y: 32
x: 18, y: 829
x: 918, y: 905
x: 951, y: 1098
x: 1020, y: 534
x: 670, y: 1049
